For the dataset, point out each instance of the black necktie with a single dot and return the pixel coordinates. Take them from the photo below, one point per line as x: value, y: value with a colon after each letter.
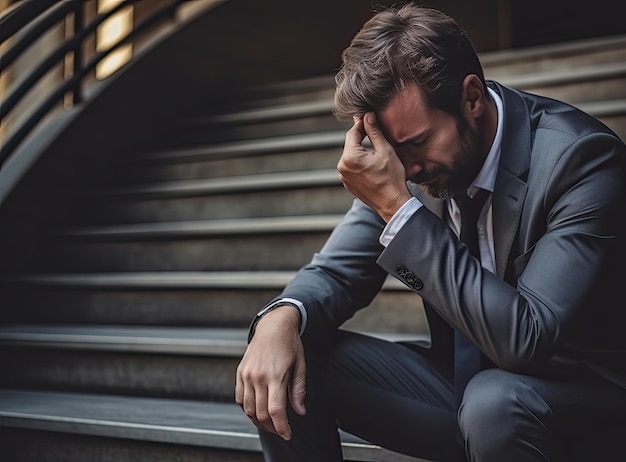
x: 470, y: 208
x: 467, y: 361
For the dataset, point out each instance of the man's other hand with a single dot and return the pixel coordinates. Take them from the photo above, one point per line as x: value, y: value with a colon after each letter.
x: 272, y: 371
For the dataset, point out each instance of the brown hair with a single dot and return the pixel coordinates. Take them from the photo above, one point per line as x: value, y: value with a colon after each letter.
x: 400, y: 46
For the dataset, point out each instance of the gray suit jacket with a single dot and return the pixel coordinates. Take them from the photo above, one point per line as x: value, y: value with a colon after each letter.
x: 556, y: 300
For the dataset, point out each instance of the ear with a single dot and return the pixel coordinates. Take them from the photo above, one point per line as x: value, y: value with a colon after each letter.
x: 474, y: 100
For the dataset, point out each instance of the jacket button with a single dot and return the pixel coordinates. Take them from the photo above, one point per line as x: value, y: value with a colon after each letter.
x: 409, y: 277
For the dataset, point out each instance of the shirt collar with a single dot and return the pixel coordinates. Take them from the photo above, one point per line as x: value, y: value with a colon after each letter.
x: 486, y: 178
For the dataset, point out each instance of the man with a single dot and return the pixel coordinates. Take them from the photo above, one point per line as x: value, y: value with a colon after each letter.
x: 537, y: 307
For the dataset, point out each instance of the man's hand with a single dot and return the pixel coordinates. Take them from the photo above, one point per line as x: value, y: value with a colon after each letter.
x: 377, y: 176
x: 272, y: 371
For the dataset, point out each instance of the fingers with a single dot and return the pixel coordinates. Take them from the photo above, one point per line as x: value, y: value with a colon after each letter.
x: 265, y: 405
x: 374, y: 133
x: 356, y: 134
x: 297, y: 390
x: 367, y: 126
x: 245, y: 397
x: 273, y: 415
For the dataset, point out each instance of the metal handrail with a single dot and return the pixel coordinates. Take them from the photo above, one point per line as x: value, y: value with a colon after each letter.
x: 80, y: 71
x: 19, y: 14
x: 41, y: 26
x: 57, y: 55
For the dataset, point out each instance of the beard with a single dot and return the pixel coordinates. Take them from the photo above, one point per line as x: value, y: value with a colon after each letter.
x: 455, y: 179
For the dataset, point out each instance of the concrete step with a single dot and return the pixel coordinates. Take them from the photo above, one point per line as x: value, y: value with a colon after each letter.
x: 257, y: 125
x: 247, y: 148
x: 312, y: 192
x: 567, y: 55
x: 139, y: 360
x: 26, y: 445
x: 612, y: 113
x: 210, y: 299
x: 257, y: 122
x: 227, y: 185
x: 601, y: 82
x: 129, y: 171
x: 140, y: 429
x: 134, y: 304
x: 183, y: 362
x: 295, y: 92
x: 296, y: 202
x: 189, y: 341
x: 133, y: 374
x: 246, y: 244
x: 281, y: 93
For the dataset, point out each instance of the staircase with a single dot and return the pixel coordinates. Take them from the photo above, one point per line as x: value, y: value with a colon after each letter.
x: 121, y: 338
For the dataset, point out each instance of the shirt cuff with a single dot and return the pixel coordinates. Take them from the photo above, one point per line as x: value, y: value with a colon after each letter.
x: 398, y: 220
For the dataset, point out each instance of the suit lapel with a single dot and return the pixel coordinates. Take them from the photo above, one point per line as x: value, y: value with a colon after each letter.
x: 510, y: 188
x: 508, y: 200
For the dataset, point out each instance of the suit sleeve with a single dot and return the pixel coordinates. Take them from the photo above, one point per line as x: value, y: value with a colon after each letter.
x: 568, y: 244
x: 343, y: 276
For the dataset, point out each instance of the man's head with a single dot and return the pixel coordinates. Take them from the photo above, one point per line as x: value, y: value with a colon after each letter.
x: 417, y: 71
x: 403, y: 46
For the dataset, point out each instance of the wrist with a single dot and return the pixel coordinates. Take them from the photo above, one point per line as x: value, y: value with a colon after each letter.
x: 281, y: 313
x: 394, y: 205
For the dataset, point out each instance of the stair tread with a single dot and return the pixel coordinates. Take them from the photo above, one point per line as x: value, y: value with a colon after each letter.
x: 266, y: 113
x: 173, y: 340
x: 234, y: 226
x: 238, y: 184
x: 565, y: 76
x: 604, y: 108
x: 199, y: 423
x: 158, y: 279
x: 170, y: 279
x: 206, y: 341
x: 558, y: 50
x: 244, y: 148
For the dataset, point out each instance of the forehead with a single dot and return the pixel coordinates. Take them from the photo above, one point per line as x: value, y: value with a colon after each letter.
x: 407, y: 115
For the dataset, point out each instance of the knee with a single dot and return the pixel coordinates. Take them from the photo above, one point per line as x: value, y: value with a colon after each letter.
x: 499, y: 411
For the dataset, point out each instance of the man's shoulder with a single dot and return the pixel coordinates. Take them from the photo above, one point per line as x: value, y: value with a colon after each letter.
x: 553, y: 115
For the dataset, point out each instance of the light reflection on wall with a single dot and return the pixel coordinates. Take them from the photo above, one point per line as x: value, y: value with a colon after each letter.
x: 112, y: 30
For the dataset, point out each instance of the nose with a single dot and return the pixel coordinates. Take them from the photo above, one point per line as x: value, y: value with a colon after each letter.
x: 412, y: 165
x: 413, y: 171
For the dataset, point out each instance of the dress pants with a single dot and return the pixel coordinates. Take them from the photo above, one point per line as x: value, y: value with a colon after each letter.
x: 393, y: 395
